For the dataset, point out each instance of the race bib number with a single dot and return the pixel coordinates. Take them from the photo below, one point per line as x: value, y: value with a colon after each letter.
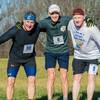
x: 93, y: 69
x: 28, y: 48
x: 58, y: 40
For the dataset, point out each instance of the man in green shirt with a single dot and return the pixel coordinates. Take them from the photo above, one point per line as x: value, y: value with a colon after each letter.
x: 56, y: 49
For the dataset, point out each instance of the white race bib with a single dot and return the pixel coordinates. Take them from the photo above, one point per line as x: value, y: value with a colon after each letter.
x: 28, y: 48
x: 58, y: 40
x: 93, y: 69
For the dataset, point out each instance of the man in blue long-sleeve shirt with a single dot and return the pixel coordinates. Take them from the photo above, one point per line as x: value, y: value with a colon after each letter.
x: 22, y: 52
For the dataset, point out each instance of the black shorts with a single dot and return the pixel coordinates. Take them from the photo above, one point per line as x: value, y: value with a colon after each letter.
x: 80, y: 65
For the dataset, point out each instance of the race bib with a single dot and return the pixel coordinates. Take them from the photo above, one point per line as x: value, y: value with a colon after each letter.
x: 28, y: 48
x: 93, y: 69
x: 58, y: 40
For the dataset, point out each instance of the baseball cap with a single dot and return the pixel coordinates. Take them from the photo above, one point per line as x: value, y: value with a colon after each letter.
x: 54, y: 8
x: 78, y: 11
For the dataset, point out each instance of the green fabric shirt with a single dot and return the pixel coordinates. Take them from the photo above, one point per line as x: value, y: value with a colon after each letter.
x: 56, y: 34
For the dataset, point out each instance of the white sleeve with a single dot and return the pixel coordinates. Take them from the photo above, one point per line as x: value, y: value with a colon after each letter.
x: 96, y: 35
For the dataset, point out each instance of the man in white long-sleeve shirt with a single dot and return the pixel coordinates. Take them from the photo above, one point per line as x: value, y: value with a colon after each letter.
x: 86, y: 43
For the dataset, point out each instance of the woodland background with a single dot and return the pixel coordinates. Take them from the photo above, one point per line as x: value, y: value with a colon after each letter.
x: 12, y: 11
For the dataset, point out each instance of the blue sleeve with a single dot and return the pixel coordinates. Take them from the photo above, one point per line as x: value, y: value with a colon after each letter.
x: 8, y: 35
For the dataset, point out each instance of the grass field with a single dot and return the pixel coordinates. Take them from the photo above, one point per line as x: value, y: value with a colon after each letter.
x: 21, y: 83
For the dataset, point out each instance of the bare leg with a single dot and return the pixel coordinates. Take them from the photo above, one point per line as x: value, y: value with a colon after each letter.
x: 64, y: 83
x: 76, y: 86
x: 31, y: 87
x: 10, y: 87
x: 50, y: 82
x: 90, y: 86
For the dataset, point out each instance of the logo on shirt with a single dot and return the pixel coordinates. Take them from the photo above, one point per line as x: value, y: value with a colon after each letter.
x: 79, y: 38
x: 63, y: 28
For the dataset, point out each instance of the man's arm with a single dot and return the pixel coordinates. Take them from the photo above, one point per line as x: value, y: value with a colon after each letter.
x: 41, y: 26
x: 8, y: 35
x: 96, y: 34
